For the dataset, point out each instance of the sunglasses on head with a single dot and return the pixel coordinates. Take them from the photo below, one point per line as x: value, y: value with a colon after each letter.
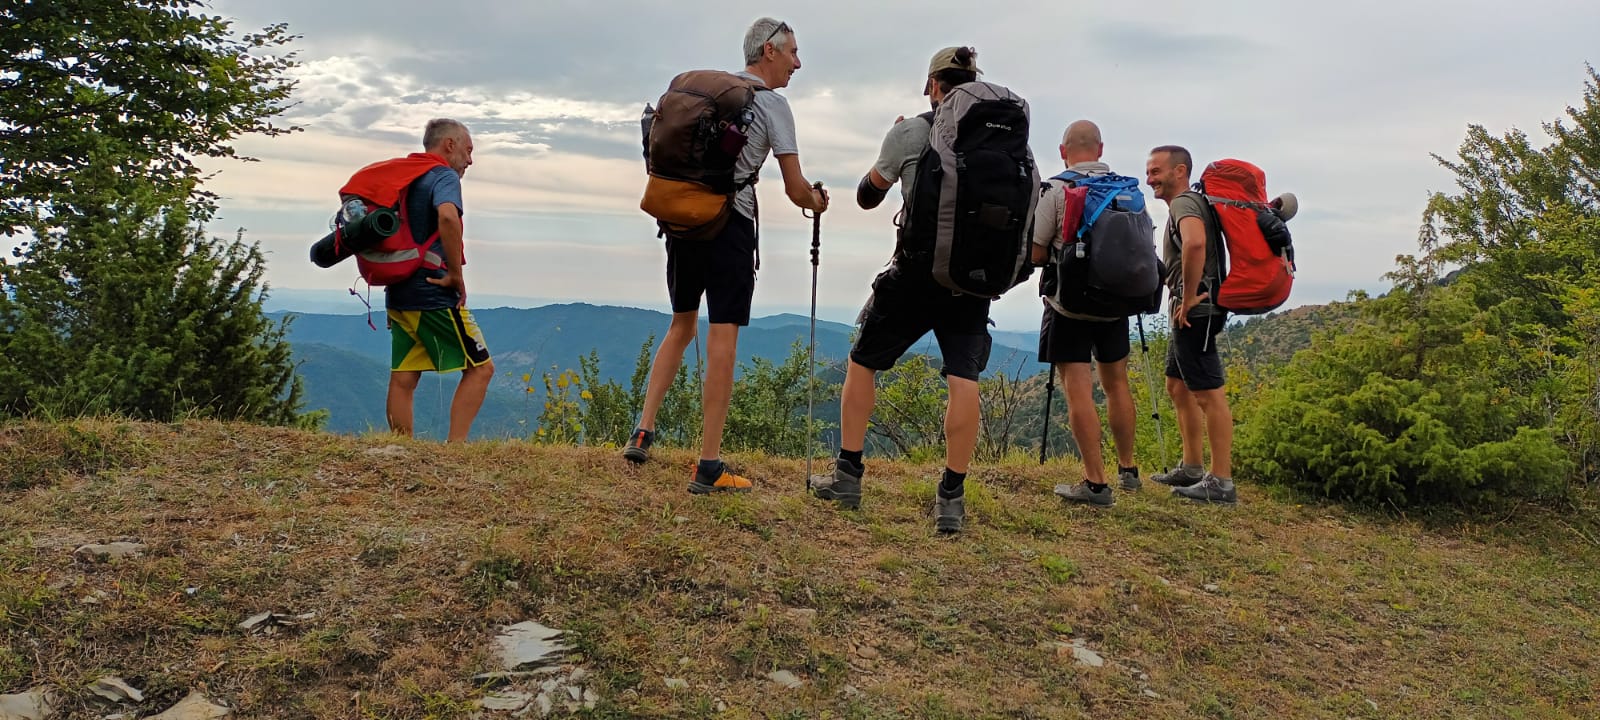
x: 783, y: 27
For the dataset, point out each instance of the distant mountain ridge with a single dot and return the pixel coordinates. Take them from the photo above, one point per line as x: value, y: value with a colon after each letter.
x: 345, y: 364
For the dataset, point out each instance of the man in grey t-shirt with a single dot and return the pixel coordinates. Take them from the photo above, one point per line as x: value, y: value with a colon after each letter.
x: 1195, y: 377
x: 723, y: 268
x: 1069, y: 342
x: 906, y: 303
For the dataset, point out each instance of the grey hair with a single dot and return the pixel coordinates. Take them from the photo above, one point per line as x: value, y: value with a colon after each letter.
x: 438, y: 129
x: 755, y: 39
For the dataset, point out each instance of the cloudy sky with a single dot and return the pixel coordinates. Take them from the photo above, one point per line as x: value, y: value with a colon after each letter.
x: 1340, y: 103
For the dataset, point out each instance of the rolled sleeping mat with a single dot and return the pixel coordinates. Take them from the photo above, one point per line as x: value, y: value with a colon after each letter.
x: 1287, y: 205
x: 371, y: 229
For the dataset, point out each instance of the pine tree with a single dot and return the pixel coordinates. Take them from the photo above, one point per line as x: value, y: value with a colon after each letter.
x: 130, y: 308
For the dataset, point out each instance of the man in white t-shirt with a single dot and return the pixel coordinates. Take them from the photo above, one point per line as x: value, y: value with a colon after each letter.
x: 723, y: 268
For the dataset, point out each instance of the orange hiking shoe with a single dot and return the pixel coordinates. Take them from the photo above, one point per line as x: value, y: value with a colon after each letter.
x: 721, y: 481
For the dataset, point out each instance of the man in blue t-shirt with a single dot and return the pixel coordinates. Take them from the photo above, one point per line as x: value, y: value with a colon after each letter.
x: 429, y: 325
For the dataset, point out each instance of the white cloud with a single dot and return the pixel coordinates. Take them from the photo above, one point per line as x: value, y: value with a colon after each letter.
x: 1340, y: 102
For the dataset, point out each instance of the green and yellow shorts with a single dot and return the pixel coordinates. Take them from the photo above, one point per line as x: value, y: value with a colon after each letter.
x: 445, y: 340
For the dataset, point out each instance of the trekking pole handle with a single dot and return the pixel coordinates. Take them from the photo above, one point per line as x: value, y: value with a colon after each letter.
x: 816, y: 229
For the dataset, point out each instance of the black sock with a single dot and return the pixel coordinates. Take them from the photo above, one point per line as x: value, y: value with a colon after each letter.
x: 1134, y: 470
x: 953, y: 484
x: 854, y: 456
x: 711, y: 469
x: 1094, y: 486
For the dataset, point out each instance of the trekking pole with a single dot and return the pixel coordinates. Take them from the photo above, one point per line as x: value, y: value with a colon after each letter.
x: 811, y: 350
x: 1049, y: 390
x: 1150, y: 380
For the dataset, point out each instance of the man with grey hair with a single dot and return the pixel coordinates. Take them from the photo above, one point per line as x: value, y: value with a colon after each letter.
x: 1068, y: 341
x: 723, y: 268
x: 429, y: 325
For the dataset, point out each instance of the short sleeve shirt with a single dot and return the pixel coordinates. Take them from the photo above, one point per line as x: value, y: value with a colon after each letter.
x: 902, y: 148
x: 436, y: 187
x: 772, y: 132
x: 1186, y: 205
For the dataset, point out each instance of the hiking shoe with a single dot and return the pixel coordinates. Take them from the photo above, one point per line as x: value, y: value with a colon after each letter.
x: 1212, y: 489
x: 1180, y: 477
x: 638, y: 449
x: 725, y: 481
x: 1130, y: 480
x: 948, y: 514
x: 842, y: 486
x: 1080, y: 492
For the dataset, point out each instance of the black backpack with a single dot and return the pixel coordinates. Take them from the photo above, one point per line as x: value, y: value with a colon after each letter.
x: 971, y: 212
x: 1106, y: 268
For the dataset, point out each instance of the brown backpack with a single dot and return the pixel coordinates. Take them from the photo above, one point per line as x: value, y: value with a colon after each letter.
x: 693, y: 137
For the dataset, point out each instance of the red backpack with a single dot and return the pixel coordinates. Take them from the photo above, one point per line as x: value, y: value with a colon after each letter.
x: 1256, y: 253
x: 382, y: 185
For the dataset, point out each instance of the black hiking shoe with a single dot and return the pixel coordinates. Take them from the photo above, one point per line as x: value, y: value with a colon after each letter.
x: 1212, y: 489
x: 1081, y: 493
x: 948, y: 514
x: 842, y: 486
x: 638, y: 449
x: 1130, y: 480
x: 1181, y: 476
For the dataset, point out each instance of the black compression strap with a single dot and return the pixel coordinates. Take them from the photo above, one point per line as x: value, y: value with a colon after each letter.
x: 868, y: 196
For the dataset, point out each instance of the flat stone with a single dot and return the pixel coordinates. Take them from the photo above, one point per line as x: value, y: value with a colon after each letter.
x: 802, y: 616
x: 590, y: 697
x: 505, y: 701
x: 785, y: 678
x: 528, y: 644
x: 35, y: 704
x: 110, y: 551
x: 194, y: 707
x: 1212, y: 587
x: 676, y: 683
x: 867, y: 652
x: 1084, y: 656
x: 387, y: 451
x: 1147, y: 692
x: 115, y: 689
x: 578, y: 674
x: 543, y: 705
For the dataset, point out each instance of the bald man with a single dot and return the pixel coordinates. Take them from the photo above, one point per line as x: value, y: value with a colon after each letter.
x: 1068, y: 342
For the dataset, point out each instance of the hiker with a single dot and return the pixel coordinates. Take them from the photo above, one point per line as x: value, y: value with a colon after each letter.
x: 1194, y: 369
x: 723, y: 267
x: 1068, y: 337
x: 907, y: 302
x: 429, y: 324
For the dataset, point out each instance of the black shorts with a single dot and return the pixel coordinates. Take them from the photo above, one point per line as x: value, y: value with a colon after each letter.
x: 722, y: 268
x: 1070, y: 340
x: 906, y: 303
x: 1192, y: 355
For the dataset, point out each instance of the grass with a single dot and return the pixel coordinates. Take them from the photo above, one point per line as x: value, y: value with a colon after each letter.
x: 1279, y: 608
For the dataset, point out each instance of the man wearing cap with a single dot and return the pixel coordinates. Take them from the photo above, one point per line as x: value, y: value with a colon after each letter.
x: 906, y: 303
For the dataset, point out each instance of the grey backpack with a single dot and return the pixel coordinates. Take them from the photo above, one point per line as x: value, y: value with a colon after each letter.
x: 971, y: 212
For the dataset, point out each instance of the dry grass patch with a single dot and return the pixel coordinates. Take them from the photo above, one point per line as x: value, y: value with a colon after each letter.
x: 412, y: 555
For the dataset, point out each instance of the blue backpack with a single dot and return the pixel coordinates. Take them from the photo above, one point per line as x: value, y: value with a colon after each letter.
x: 1106, y: 268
